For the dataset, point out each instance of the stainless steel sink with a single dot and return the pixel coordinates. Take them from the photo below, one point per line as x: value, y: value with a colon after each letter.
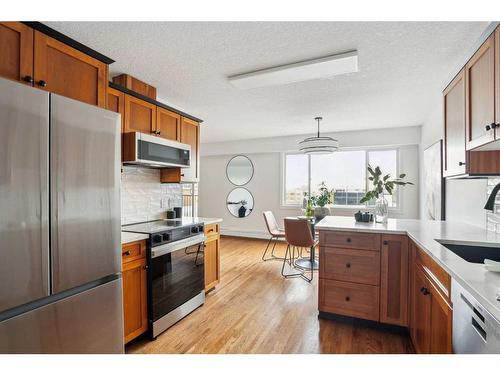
x: 473, y: 253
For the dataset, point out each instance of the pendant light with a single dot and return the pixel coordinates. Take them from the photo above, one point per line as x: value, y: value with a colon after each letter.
x: 318, y: 144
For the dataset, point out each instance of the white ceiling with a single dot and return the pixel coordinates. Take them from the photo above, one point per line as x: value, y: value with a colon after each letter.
x: 401, y: 69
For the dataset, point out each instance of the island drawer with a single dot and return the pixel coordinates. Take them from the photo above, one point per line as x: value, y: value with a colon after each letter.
x: 350, y: 240
x: 350, y: 299
x: 359, y: 266
x: 212, y: 230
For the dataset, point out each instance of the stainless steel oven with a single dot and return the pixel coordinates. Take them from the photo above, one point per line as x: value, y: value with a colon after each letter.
x: 176, y: 280
x: 154, y: 152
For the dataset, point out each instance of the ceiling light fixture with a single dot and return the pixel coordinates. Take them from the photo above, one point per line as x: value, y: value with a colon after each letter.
x: 318, y: 144
x: 324, y: 67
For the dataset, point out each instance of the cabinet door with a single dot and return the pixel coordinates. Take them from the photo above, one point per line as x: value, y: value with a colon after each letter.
x: 140, y: 116
x: 212, y: 262
x: 116, y: 103
x: 454, y: 126
x: 497, y: 82
x: 480, y: 95
x: 135, y: 312
x: 190, y: 134
x: 66, y: 71
x: 16, y: 59
x: 421, y: 312
x: 394, y: 280
x: 168, y: 124
x: 440, y: 323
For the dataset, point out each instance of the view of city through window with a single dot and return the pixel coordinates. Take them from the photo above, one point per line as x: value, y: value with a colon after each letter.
x: 343, y: 171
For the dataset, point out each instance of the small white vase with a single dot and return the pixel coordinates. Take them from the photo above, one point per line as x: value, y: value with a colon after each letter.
x: 381, y: 210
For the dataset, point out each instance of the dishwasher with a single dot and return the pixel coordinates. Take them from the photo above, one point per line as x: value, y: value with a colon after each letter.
x: 475, y: 330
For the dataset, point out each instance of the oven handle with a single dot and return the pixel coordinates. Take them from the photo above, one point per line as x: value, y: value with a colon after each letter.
x: 177, y: 245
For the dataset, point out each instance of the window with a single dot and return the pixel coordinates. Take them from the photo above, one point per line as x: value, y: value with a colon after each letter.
x: 343, y: 171
x: 189, y: 199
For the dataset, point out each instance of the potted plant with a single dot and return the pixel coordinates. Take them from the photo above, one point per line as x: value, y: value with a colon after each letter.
x: 319, y: 202
x: 242, y: 211
x: 382, y: 185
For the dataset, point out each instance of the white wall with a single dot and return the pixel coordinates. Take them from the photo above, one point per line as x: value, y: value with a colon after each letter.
x: 265, y: 184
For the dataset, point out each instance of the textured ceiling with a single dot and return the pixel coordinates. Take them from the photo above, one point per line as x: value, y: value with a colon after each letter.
x: 401, y: 69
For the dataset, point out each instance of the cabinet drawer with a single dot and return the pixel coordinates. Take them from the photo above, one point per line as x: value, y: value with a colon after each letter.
x: 350, y: 240
x: 438, y: 275
x: 133, y: 251
x: 359, y: 266
x: 350, y: 299
x: 212, y: 230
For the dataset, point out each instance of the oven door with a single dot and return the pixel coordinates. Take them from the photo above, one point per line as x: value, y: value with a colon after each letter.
x: 176, y: 275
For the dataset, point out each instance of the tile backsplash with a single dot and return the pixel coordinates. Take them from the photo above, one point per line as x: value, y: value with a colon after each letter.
x: 493, y: 218
x: 144, y: 197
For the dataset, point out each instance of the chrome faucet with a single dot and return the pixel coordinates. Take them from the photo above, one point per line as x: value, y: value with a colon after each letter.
x: 490, y: 204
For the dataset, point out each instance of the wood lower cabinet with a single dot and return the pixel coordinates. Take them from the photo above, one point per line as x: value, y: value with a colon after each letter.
x: 394, y: 280
x: 212, y: 256
x: 134, y: 275
x: 431, y: 314
x: 140, y: 116
x: 16, y: 57
x: 66, y: 71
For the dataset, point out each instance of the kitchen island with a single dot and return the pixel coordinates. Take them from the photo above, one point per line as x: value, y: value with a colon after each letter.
x: 400, y: 273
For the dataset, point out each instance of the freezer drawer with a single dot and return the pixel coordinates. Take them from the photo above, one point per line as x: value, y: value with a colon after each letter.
x: 88, y: 322
x: 24, y: 214
x: 85, y: 193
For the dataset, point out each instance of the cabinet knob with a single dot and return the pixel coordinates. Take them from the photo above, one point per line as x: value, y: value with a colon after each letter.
x: 386, y: 242
x: 126, y: 253
x: 145, y: 267
x: 460, y: 163
x: 424, y: 291
x: 347, y: 298
x: 488, y: 127
x: 159, y: 132
x: 28, y: 79
x: 348, y: 239
x: 493, y: 125
x: 42, y: 83
x: 348, y: 265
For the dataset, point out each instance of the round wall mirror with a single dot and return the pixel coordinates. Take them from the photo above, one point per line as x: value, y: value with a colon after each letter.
x: 239, y: 170
x: 240, y: 202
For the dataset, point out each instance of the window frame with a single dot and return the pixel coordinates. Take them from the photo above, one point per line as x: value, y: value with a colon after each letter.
x: 367, y: 150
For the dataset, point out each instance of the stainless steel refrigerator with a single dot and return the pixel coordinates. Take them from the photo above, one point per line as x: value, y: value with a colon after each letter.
x: 60, y: 257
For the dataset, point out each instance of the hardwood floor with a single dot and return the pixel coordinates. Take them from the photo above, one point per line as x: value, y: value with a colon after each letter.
x: 255, y: 310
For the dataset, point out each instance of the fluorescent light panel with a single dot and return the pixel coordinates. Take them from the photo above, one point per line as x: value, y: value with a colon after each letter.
x: 324, y: 67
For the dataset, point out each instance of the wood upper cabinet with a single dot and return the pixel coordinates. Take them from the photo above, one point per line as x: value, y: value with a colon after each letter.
x: 16, y: 57
x: 140, y: 116
x: 190, y: 134
x: 454, y: 127
x: 394, y: 280
x: 116, y: 103
x: 134, y: 275
x: 63, y: 70
x: 168, y: 124
x: 480, y: 95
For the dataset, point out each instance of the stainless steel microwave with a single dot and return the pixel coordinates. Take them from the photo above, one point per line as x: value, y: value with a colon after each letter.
x: 154, y: 152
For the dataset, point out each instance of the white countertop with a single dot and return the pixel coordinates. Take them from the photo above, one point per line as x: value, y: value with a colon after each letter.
x: 131, y: 237
x: 482, y: 284
x: 187, y: 220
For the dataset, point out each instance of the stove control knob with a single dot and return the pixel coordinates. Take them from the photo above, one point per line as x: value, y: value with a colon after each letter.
x: 200, y: 228
x: 194, y: 229
x: 165, y: 236
x: 156, y: 238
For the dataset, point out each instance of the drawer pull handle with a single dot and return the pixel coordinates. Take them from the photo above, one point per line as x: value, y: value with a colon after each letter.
x: 127, y: 253
x: 145, y: 267
x: 386, y: 242
x: 42, y: 83
x: 347, y: 298
x: 348, y: 265
x: 210, y: 230
x: 348, y: 239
